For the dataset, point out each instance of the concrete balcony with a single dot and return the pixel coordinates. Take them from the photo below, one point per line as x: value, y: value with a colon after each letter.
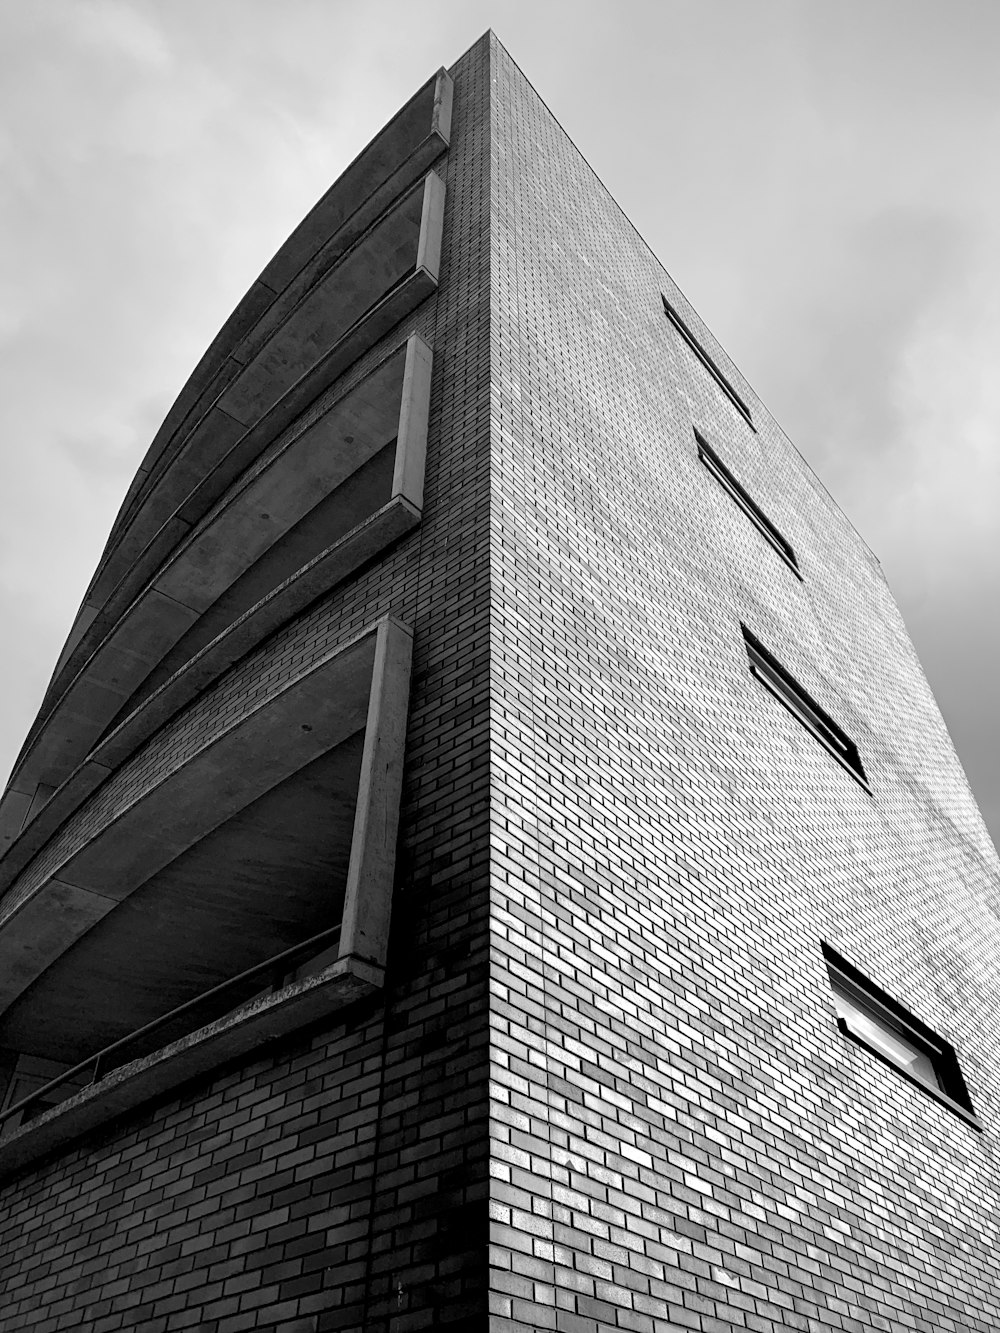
x: 179, y: 875
x: 390, y: 270
x: 395, y: 160
x: 332, y: 496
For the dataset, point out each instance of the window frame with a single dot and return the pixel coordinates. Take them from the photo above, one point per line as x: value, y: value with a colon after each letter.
x: 766, y: 668
x: 738, y: 493
x: 892, y: 1018
x: 673, y: 315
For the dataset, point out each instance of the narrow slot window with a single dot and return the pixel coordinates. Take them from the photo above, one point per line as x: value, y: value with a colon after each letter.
x: 882, y: 1026
x: 771, y: 674
x: 756, y: 515
x: 708, y: 362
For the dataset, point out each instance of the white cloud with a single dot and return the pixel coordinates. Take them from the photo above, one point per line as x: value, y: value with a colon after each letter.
x: 117, y: 28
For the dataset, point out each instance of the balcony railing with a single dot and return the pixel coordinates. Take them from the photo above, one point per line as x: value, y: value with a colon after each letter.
x: 277, y: 968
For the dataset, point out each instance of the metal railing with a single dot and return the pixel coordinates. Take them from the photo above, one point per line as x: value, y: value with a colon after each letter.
x: 108, y: 1059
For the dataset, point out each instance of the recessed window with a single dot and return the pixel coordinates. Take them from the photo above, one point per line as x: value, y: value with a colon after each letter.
x: 752, y: 510
x: 868, y: 1016
x: 708, y: 362
x: 787, y: 689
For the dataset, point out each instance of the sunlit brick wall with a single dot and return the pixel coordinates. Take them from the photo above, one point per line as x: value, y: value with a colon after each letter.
x: 681, y: 1137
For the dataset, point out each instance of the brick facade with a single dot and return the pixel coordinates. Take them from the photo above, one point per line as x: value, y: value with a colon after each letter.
x: 606, y: 1018
x: 680, y: 1136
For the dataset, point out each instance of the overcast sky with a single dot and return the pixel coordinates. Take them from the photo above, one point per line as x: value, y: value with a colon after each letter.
x: 820, y: 177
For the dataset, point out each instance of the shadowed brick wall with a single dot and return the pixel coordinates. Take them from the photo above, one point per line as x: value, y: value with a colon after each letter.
x: 338, y: 1181
x: 680, y: 1136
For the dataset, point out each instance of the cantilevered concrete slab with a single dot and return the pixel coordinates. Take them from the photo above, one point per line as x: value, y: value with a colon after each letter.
x: 395, y: 159
x: 253, y: 541
x: 393, y: 520
x: 270, y: 876
x: 356, y: 287
x: 390, y: 269
x: 107, y: 856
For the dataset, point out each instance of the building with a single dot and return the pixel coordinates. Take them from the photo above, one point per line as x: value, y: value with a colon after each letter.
x: 489, y: 795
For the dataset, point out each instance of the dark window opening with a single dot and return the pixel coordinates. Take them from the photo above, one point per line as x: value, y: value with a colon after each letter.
x: 771, y: 674
x: 882, y: 1026
x: 708, y: 362
x: 752, y: 510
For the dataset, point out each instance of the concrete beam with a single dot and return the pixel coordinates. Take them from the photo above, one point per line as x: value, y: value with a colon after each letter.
x: 370, y: 876
x: 414, y: 419
x: 431, y: 226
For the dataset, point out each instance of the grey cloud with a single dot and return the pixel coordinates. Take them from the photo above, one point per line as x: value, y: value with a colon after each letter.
x: 958, y: 641
x: 850, y: 328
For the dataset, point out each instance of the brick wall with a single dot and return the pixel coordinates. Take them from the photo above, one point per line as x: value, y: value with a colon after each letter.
x: 339, y: 1180
x: 680, y: 1136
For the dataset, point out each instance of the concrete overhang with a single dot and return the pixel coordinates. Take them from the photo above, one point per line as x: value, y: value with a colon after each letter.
x: 394, y: 160
x: 275, y: 525
x: 386, y: 168
x: 388, y: 271
x: 138, y: 824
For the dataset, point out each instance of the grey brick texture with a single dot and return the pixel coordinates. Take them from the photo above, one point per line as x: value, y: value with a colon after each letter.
x: 680, y: 1135
x: 604, y: 1087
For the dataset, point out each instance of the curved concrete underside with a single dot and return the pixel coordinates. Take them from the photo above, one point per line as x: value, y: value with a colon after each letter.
x: 394, y: 160
x: 292, y: 596
x: 392, y: 269
x: 362, y: 460
x: 270, y: 876
x: 171, y: 852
